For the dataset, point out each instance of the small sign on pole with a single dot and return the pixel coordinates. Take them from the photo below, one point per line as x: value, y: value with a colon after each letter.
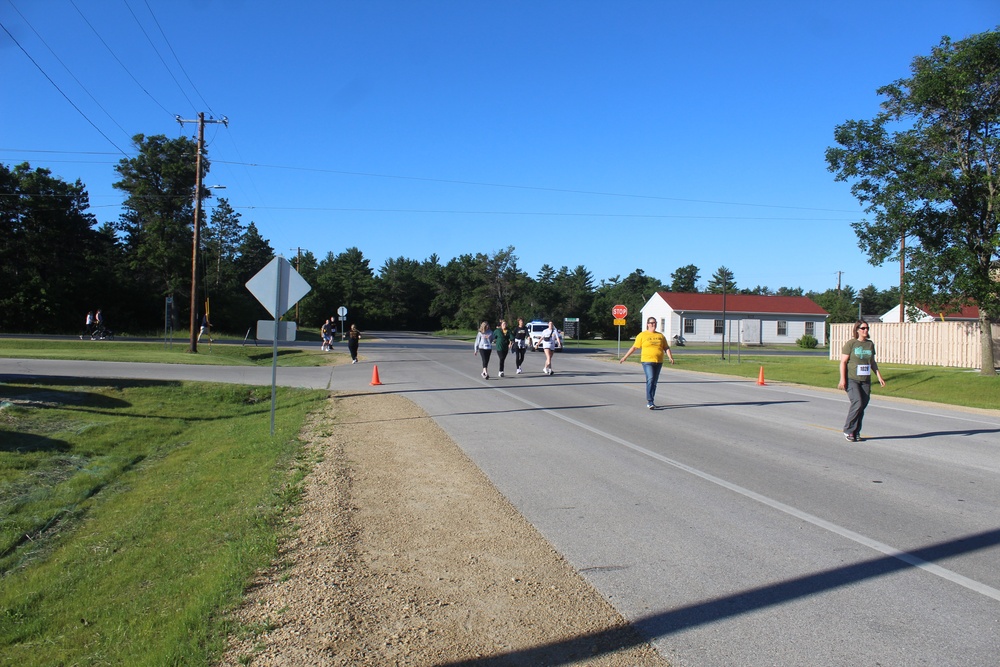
x: 619, y: 312
x: 342, y: 314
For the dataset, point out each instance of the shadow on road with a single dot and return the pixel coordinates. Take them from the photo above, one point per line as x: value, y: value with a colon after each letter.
x: 701, y: 613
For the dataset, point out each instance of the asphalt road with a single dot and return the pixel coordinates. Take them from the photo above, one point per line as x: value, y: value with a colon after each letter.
x: 734, y: 526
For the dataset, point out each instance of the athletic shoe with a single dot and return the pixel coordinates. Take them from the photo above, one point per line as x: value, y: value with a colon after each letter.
x: 501, y: 373
x: 651, y: 406
x: 850, y: 437
x: 518, y: 371
x: 355, y: 361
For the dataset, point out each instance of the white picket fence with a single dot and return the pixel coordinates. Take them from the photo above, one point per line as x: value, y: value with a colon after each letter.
x: 954, y: 344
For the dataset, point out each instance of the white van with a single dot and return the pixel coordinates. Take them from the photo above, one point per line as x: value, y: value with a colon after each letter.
x: 535, y: 330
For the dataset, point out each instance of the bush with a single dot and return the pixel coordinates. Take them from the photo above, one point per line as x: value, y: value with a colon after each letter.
x: 808, y: 342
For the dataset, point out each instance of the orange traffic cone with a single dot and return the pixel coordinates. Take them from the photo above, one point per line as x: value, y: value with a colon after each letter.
x: 760, y: 377
x: 375, y: 379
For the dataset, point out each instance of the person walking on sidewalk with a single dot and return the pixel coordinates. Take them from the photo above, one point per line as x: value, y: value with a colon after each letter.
x: 653, y: 345
x: 857, y: 363
x: 484, y: 346
x: 502, y: 338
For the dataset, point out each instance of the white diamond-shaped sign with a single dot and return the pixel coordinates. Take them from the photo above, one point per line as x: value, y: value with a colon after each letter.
x: 278, y: 286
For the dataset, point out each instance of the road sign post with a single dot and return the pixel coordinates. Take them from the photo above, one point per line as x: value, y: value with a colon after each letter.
x: 619, y: 312
x: 278, y: 287
x: 342, y: 314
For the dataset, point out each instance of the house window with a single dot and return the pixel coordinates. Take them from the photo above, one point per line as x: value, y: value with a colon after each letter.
x: 810, y: 329
x: 720, y: 327
x: 689, y: 325
x: 782, y: 328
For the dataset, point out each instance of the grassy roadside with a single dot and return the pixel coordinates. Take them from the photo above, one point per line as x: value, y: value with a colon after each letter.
x: 132, y: 514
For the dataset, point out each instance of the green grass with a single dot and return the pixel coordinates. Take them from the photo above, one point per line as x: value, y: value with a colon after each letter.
x: 175, y: 353
x: 133, y: 513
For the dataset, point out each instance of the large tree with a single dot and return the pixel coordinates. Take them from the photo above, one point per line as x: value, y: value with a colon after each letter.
x: 722, y: 281
x: 52, y: 260
x: 158, y: 218
x: 684, y: 279
x: 927, y: 169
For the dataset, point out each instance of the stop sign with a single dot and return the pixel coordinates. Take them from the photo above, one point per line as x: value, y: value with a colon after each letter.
x: 620, y: 312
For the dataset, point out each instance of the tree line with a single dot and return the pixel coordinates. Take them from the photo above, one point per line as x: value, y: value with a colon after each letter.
x: 57, y: 263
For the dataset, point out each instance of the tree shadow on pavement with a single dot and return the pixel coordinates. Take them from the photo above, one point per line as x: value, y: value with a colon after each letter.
x: 669, y: 622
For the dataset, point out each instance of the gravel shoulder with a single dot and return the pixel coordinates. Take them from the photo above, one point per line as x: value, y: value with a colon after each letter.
x: 403, y: 553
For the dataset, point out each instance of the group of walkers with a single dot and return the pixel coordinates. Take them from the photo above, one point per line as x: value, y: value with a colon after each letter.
x: 503, y: 340
x: 857, y: 361
x: 94, y: 326
x: 328, y: 332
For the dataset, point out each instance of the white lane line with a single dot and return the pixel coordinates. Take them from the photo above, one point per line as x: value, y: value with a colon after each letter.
x: 910, y: 559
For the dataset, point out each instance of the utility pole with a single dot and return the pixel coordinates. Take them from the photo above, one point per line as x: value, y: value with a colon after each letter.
x: 197, y: 221
x: 902, y: 272
x: 298, y: 259
x: 839, y: 274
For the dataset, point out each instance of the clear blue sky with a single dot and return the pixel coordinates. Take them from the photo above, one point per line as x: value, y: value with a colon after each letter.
x: 618, y: 135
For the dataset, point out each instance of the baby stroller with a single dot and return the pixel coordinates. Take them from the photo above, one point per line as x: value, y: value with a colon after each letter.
x: 101, y: 332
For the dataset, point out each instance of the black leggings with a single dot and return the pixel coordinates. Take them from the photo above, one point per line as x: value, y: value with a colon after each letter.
x: 485, y: 354
x: 501, y: 357
x: 519, y: 355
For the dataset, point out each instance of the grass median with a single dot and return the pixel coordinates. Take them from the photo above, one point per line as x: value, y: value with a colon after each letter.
x: 133, y: 513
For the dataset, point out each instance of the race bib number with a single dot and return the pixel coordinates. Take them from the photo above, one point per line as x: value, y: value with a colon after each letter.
x: 864, y: 369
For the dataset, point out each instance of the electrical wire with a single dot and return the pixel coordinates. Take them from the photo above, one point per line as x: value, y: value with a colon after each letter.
x: 159, y: 55
x: 178, y: 60
x: 66, y: 67
x: 118, y: 60
x: 56, y: 86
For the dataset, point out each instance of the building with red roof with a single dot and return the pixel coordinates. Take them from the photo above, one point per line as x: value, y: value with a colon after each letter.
x: 738, y: 318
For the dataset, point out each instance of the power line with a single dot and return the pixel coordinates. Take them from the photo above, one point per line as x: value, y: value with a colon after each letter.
x: 535, y: 188
x: 56, y: 86
x: 158, y: 54
x: 115, y: 56
x: 588, y: 214
x: 66, y: 67
x: 178, y: 60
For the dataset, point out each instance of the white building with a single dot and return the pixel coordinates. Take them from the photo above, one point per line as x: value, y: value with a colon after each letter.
x: 738, y: 318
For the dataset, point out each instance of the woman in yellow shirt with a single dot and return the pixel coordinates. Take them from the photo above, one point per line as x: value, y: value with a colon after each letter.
x: 653, y: 345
